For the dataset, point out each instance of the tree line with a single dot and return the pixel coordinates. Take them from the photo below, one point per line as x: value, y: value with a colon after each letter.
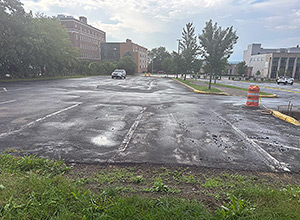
x: 32, y: 46
x: 211, y: 53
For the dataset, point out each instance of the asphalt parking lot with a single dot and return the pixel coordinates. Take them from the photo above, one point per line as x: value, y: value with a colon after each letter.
x: 143, y: 120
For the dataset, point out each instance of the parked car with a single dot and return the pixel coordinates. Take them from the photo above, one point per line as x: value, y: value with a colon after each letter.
x: 118, y: 73
x: 285, y: 80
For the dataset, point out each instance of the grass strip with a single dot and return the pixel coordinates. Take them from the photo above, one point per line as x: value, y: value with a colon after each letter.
x: 198, y: 87
x: 36, y: 188
x: 239, y: 88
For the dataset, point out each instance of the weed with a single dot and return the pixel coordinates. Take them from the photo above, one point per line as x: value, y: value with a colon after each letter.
x: 137, y: 179
x: 32, y: 163
x: 234, y: 210
x: 159, y: 186
x: 213, y: 183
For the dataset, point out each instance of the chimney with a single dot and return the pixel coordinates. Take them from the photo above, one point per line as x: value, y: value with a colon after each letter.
x: 83, y: 19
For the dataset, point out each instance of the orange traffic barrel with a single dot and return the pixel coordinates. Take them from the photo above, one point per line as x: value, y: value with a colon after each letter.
x: 253, y: 96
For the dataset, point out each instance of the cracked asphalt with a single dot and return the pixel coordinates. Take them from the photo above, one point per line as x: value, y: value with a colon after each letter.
x: 143, y: 120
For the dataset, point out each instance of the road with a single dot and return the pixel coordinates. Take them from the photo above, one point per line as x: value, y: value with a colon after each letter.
x: 142, y: 120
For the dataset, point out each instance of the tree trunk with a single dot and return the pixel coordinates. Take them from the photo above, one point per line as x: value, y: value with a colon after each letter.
x: 215, y: 78
x: 184, y: 77
x: 210, y: 77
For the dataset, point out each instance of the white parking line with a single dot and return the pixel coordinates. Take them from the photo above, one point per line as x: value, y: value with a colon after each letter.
x: 131, y: 131
x: 268, y: 159
x: 38, y: 120
x: 5, y: 89
x: 6, y: 102
x: 278, y: 145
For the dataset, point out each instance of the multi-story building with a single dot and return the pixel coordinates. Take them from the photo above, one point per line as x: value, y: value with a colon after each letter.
x: 272, y: 63
x: 84, y: 36
x: 115, y: 51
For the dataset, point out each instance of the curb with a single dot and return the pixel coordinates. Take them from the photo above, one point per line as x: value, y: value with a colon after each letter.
x: 286, y: 118
x: 202, y: 92
x: 269, y: 96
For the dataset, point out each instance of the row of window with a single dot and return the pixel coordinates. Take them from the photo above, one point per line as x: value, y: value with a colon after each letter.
x: 88, y: 47
x: 256, y: 59
x: 88, y: 30
x: 86, y: 39
x: 90, y: 56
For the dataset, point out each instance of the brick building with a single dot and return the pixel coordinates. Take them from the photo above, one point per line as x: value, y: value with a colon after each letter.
x: 115, y: 51
x: 84, y: 36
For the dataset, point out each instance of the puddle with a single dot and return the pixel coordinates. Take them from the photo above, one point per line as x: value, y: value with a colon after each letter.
x: 102, y: 140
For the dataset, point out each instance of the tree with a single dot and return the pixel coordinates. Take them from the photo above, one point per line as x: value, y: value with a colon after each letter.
x: 157, y: 56
x: 177, y: 63
x: 241, y: 68
x: 189, y: 48
x: 33, y: 46
x: 127, y: 63
x: 257, y: 73
x: 13, y: 36
x: 216, y: 46
x: 167, y: 65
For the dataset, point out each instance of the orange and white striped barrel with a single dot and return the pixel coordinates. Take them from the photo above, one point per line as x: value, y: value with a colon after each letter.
x: 253, y: 96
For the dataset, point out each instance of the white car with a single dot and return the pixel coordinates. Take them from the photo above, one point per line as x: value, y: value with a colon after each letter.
x: 285, y: 80
x: 118, y: 73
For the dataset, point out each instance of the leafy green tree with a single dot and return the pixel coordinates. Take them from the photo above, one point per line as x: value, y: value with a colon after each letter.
x: 241, y: 68
x: 127, y: 63
x: 167, y: 65
x: 177, y: 63
x: 52, y: 50
x: 257, y: 73
x: 33, y: 46
x: 157, y: 56
x: 216, y: 47
x: 189, y: 48
x: 13, y: 37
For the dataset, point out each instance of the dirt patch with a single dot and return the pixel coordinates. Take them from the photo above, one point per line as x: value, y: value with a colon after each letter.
x: 207, y: 185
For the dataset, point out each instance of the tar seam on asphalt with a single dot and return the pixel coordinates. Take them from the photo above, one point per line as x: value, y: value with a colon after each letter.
x: 37, y: 120
x: 268, y: 159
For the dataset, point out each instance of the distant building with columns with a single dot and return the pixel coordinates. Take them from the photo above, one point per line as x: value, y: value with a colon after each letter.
x: 273, y: 62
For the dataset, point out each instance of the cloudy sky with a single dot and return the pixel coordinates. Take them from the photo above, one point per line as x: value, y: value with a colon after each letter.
x: 154, y: 23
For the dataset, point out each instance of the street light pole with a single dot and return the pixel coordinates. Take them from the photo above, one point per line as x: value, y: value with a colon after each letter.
x: 178, y: 45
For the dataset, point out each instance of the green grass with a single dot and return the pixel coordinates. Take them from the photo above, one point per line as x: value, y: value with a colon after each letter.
x: 198, y: 87
x: 239, y: 88
x: 36, y: 188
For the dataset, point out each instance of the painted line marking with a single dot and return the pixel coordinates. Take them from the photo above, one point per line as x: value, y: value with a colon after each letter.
x: 285, y: 90
x: 278, y: 145
x: 1, y: 103
x: 5, y: 89
x: 273, y: 163
x: 131, y: 131
x: 37, y: 120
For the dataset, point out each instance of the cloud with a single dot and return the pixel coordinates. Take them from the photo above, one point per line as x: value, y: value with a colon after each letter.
x: 159, y: 22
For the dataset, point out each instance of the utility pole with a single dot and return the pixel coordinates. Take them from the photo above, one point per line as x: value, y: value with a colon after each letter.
x: 178, y: 45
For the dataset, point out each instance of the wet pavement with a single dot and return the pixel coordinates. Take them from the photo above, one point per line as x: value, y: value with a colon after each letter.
x: 144, y: 120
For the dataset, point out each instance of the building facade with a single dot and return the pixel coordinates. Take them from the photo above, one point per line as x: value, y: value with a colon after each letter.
x: 272, y: 63
x: 231, y: 69
x: 115, y: 51
x: 84, y: 36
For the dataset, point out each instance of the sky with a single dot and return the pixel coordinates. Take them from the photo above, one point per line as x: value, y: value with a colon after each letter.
x: 155, y: 23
